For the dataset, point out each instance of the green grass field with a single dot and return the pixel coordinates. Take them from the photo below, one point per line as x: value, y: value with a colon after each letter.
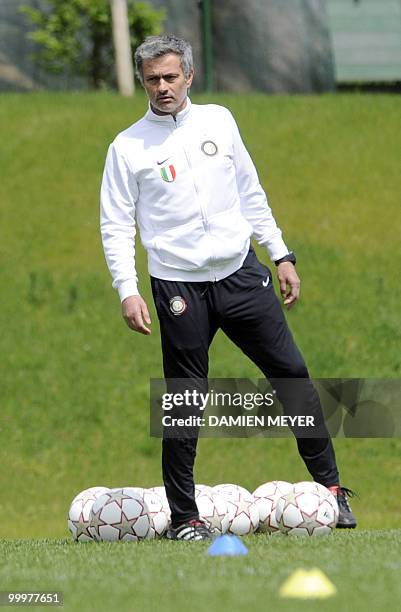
x: 74, y: 380
x: 363, y: 566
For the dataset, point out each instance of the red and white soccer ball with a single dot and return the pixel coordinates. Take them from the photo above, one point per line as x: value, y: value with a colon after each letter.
x: 242, y: 510
x: 159, y: 517
x: 213, y: 508
x: 266, y: 497
x: 161, y: 492
x: 120, y: 514
x: 79, y: 513
x: 200, y: 488
x: 309, y: 509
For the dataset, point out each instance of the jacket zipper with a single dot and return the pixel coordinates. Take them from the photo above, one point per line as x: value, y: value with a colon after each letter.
x: 203, y: 212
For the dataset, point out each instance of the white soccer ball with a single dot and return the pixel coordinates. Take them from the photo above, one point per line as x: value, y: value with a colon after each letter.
x: 314, y: 487
x: 200, y: 488
x: 79, y: 513
x: 161, y: 492
x: 156, y: 510
x: 266, y: 497
x: 242, y: 510
x: 120, y: 514
x: 213, y: 508
x: 308, y: 510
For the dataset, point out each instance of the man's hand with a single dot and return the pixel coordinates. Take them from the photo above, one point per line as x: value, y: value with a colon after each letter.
x: 136, y: 314
x: 289, y: 283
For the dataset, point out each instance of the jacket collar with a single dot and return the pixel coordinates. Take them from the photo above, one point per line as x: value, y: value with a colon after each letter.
x: 169, y: 119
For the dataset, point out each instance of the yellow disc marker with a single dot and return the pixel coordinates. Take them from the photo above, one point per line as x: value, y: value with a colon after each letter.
x: 308, y: 584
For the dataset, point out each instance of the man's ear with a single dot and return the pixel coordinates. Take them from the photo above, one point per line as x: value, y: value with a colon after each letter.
x: 190, y: 78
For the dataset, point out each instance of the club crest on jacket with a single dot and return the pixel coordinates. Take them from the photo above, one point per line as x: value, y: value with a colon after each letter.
x: 209, y: 148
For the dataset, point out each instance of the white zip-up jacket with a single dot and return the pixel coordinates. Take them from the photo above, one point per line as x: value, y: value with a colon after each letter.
x: 192, y: 187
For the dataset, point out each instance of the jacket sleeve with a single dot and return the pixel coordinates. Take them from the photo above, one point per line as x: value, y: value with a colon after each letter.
x: 254, y: 205
x: 118, y: 195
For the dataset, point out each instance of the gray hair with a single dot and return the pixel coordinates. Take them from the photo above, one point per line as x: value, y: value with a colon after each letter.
x: 157, y: 46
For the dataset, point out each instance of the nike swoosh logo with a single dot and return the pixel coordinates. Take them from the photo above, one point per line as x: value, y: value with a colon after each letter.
x: 163, y: 162
x: 266, y: 282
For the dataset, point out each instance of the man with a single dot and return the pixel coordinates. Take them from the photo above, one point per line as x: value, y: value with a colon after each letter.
x: 182, y: 172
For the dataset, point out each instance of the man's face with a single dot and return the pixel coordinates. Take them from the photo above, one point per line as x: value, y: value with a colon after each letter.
x: 165, y: 84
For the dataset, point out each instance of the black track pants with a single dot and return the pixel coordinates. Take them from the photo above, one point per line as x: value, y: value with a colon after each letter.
x: 245, y: 307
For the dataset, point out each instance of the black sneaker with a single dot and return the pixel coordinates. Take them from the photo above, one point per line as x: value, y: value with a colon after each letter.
x: 346, y: 520
x: 192, y: 531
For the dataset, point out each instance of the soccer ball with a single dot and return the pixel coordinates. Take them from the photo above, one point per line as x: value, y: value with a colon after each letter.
x: 266, y: 497
x: 161, y: 492
x: 200, y: 488
x: 314, y: 487
x: 213, y: 508
x: 156, y: 510
x: 159, y: 518
x: 243, y: 513
x: 120, y: 514
x: 79, y: 513
x: 308, y: 510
